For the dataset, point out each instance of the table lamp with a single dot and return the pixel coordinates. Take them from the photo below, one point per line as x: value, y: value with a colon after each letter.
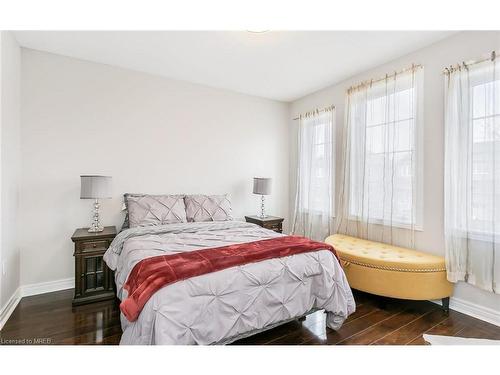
x: 262, y: 187
x: 95, y: 187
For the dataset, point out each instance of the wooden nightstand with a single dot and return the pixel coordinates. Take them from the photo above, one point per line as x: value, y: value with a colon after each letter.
x: 94, y: 281
x: 269, y: 222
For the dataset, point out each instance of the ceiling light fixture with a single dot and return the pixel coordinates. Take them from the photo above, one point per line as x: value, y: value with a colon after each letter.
x: 257, y: 31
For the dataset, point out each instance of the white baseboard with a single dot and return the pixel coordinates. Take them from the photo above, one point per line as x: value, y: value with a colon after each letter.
x: 476, y: 311
x: 9, y: 307
x: 47, y: 287
x: 31, y: 290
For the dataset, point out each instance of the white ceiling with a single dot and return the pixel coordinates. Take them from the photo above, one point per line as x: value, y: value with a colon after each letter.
x: 280, y: 65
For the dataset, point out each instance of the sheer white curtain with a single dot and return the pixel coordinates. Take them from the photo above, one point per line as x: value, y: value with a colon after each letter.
x: 313, y: 213
x: 381, y: 183
x: 472, y: 174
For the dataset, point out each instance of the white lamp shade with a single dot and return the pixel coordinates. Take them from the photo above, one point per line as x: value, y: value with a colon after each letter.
x: 95, y: 187
x: 262, y: 185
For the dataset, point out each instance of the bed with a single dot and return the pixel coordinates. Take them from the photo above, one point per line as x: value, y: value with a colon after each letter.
x: 230, y: 304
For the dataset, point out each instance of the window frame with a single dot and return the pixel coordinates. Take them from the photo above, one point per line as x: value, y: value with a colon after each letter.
x: 418, y: 153
x: 332, y: 143
x: 476, y: 234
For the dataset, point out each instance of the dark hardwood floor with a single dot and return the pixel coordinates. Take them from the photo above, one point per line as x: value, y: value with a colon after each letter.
x: 50, y: 319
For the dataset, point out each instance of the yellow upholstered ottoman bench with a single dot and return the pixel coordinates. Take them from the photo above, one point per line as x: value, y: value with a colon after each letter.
x: 392, y: 271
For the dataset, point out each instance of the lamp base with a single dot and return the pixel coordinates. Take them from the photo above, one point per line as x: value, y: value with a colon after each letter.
x: 262, y: 208
x: 96, y: 229
x: 96, y: 226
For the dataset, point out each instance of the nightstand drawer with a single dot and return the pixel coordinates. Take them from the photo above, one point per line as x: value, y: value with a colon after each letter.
x: 88, y: 246
x: 269, y: 222
x: 274, y: 226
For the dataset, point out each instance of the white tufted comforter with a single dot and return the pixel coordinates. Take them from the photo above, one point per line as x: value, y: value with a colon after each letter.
x: 223, y: 306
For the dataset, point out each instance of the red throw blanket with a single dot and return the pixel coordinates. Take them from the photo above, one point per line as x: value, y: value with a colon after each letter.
x: 152, y: 274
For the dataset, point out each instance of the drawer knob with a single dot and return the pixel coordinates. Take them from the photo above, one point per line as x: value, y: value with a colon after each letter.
x: 94, y: 246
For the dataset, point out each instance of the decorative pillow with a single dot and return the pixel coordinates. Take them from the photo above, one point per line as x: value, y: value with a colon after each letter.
x: 208, y: 207
x: 125, y: 224
x: 144, y: 210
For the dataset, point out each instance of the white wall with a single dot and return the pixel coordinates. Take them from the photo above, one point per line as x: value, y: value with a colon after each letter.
x: 10, y: 66
x: 151, y: 134
x: 163, y: 136
x: 460, y: 47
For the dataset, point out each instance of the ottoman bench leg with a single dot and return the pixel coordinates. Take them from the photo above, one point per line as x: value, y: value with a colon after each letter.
x: 446, y: 304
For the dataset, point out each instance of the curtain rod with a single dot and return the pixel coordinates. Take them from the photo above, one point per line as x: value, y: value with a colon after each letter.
x: 452, y: 68
x: 372, y: 81
x: 329, y: 108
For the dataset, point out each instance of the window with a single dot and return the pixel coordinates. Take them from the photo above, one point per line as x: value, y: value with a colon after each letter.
x: 316, y: 156
x: 472, y: 173
x: 313, y: 211
x: 385, y: 164
x: 485, y: 150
